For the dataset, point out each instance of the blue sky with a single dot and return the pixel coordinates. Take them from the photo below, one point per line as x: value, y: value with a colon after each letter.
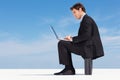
x: 26, y: 40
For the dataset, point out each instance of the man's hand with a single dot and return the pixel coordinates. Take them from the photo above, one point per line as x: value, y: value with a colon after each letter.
x: 68, y: 38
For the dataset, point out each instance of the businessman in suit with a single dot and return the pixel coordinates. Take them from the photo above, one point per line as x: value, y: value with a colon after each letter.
x: 86, y: 44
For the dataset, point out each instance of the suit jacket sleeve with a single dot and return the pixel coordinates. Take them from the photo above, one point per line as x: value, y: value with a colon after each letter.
x: 85, y: 31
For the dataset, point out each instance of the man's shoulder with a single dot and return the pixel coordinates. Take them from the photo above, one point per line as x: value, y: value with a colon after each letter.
x: 87, y: 17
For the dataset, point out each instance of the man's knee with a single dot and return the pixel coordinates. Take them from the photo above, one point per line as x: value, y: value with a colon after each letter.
x: 64, y: 43
x: 60, y: 43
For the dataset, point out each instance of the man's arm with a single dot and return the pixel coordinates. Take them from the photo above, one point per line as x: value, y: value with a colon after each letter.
x: 85, y: 32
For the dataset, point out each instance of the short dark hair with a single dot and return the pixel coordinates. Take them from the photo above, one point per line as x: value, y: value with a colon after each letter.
x: 77, y: 6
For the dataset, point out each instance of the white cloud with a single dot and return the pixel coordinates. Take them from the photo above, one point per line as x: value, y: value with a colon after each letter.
x: 60, y: 22
x: 103, y: 30
x: 110, y: 38
x: 14, y: 47
x: 67, y: 21
x: 106, y: 17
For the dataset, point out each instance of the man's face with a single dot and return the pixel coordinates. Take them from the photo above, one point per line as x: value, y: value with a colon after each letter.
x: 77, y: 13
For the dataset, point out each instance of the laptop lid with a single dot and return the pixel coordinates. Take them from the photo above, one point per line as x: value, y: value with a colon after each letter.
x: 54, y: 32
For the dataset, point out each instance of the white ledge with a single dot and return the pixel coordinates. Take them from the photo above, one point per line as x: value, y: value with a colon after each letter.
x: 47, y: 74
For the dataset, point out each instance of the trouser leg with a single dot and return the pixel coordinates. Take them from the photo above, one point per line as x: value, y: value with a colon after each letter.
x: 65, y: 48
x: 64, y: 54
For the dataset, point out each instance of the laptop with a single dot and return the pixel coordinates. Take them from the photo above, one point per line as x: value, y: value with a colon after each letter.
x: 55, y: 33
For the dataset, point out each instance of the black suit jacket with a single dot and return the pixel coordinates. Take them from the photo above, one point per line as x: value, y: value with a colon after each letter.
x: 88, y: 37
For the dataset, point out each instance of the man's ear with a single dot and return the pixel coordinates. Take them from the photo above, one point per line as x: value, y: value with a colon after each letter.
x: 80, y: 9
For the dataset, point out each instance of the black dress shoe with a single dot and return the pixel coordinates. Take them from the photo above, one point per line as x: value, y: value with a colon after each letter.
x: 66, y: 72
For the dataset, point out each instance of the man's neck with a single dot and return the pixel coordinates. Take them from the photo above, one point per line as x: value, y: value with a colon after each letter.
x: 83, y: 14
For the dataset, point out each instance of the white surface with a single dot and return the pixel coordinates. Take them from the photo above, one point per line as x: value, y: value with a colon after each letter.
x: 47, y: 74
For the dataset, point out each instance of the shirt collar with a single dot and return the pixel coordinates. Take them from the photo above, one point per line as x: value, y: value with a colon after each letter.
x: 82, y: 17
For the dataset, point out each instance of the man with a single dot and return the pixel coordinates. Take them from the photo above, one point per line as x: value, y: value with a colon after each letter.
x: 86, y: 44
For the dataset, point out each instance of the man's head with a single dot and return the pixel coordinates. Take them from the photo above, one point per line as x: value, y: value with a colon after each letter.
x: 78, y: 10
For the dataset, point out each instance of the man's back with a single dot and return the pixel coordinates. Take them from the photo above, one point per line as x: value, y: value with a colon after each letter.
x: 93, y: 38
